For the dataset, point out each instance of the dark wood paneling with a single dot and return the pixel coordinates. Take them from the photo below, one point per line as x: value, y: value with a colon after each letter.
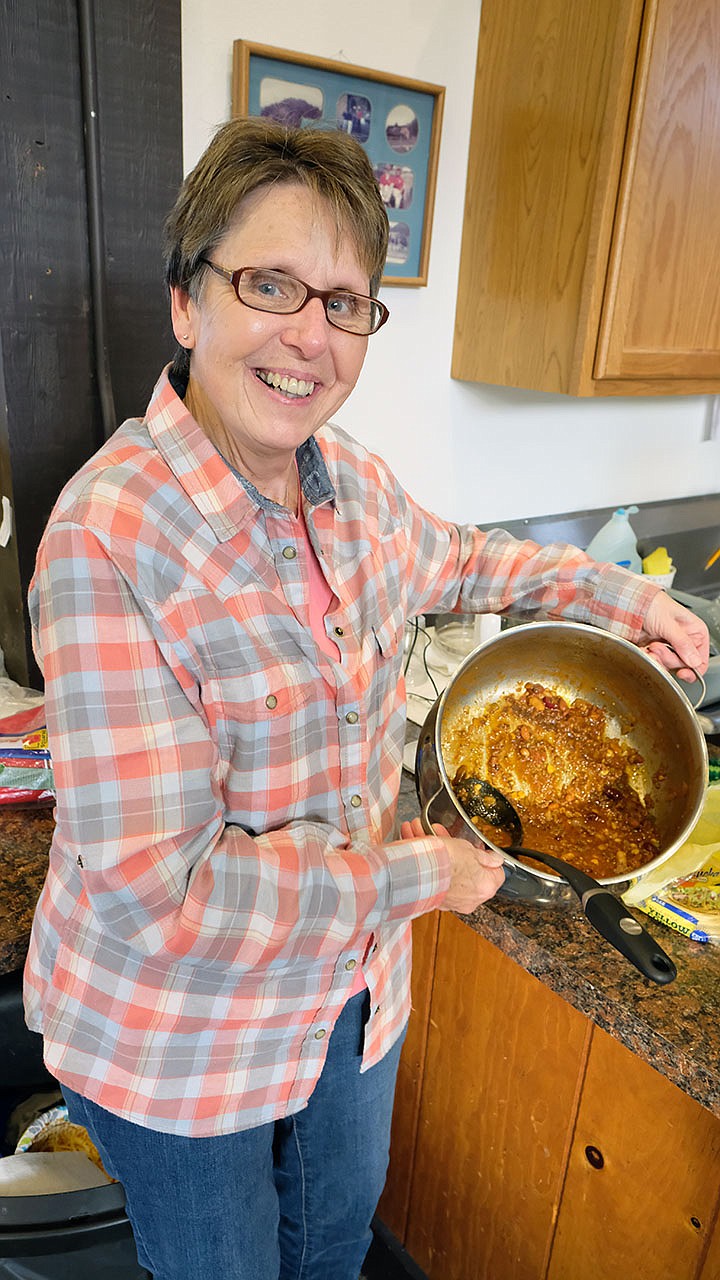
x: 46, y: 320
x: 45, y: 316
x: 139, y: 79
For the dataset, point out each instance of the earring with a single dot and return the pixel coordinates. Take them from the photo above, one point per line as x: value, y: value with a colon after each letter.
x: 184, y: 336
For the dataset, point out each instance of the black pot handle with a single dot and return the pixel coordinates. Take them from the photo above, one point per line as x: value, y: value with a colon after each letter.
x: 609, y: 916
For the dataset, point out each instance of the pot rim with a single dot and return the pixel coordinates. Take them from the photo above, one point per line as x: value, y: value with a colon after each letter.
x: 627, y: 878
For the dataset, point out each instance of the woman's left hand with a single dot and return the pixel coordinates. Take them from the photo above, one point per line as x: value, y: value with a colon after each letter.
x: 668, y: 623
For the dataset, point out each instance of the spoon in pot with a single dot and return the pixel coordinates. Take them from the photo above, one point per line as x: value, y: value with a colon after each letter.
x: 604, y: 910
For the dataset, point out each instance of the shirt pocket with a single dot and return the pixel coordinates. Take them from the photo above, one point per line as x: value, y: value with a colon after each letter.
x: 389, y: 633
x: 266, y: 723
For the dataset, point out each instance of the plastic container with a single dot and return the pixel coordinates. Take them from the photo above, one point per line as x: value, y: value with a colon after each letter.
x: 616, y: 543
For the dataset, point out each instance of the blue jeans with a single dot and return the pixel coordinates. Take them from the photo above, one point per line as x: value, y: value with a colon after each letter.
x: 289, y: 1200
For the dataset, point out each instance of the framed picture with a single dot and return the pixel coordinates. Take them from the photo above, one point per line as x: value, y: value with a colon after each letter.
x: 396, y: 120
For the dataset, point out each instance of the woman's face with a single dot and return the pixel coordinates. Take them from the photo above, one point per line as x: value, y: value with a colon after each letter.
x: 235, y: 350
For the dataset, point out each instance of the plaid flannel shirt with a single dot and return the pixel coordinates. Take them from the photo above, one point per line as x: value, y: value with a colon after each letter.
x: 226, y: 793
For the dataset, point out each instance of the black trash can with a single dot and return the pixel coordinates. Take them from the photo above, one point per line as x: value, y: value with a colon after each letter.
x: 74, y: 1235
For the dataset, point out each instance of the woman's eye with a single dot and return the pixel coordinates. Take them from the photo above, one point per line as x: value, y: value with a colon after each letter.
x: 344, y: 304
x: 267, y: 288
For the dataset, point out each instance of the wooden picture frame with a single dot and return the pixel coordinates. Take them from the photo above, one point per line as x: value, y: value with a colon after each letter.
x: 396, y: 120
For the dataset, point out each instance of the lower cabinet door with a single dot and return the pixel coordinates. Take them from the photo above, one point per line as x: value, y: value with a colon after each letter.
x: 500, y: 1092
x: 643, y: 1176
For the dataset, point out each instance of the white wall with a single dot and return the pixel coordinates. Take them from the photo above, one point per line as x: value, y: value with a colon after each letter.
x: 468, y: 451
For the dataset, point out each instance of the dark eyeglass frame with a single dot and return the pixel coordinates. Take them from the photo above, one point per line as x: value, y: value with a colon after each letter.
x: 325, y: 295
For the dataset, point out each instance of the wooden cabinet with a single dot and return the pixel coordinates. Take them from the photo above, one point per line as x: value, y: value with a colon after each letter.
x: 591, y: 255
x: 393, y: 1207
x: 641, y: 1186
x: 537, y: 1147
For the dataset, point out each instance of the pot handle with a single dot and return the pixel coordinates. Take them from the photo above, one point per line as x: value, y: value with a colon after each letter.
x: 680, y: 683
x: 425, y: 811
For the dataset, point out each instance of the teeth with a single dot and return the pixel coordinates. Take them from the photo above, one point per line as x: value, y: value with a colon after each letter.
x: 288, y: 386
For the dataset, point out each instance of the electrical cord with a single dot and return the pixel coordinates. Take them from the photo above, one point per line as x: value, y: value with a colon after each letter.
x: 420, y: 630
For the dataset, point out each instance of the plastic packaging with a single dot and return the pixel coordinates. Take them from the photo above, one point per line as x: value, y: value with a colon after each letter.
x: 26, y: 774
x: 684, y: 892
x: 616, y: 543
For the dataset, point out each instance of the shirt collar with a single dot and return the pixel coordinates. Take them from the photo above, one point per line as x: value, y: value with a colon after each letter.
x: 209, y: 482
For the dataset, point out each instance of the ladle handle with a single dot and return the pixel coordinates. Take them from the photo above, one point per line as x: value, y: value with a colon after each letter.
x: 610, y: 917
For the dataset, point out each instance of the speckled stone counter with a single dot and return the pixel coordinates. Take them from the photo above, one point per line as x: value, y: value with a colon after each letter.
x: 25, y: 836
x: 676, y: 1029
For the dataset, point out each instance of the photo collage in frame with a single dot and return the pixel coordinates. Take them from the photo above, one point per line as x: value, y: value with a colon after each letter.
x: 396, y: 121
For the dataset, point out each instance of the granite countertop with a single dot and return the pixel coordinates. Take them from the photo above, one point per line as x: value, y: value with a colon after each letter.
x: 676, y: 1029
x: 25, y: 836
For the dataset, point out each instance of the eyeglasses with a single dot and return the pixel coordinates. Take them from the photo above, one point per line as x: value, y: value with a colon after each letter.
x: 275, y: 291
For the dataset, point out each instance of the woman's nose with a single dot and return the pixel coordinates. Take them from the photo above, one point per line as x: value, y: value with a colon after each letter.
x: 308, y: 328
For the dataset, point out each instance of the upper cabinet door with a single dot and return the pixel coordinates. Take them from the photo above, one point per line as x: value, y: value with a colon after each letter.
x: 590, y: 260
x: 661, y: 313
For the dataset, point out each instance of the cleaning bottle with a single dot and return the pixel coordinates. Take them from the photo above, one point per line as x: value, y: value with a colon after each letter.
x: 616, y: 543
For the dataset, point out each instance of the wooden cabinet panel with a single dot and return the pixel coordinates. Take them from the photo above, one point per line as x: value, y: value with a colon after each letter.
x: 662, y: 314
x: 504, y: 1064
x: 393, y: 1207
x: 589, y: 261
x: 711, y: 1265
x: 550, y: 80
x: 641, y: 1190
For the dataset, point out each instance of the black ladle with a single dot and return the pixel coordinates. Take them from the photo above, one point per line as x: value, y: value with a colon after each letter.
x: 604, y: 910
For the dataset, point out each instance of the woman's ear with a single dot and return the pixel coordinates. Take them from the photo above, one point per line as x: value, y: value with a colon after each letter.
x: 182, y: 311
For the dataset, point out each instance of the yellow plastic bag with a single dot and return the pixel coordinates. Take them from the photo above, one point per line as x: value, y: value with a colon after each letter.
x: 684, y: 892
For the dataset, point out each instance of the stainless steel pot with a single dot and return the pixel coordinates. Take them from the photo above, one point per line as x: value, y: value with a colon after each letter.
x: 580, y: 662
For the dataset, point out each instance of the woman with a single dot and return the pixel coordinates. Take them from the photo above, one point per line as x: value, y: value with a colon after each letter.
x: 220, y: 956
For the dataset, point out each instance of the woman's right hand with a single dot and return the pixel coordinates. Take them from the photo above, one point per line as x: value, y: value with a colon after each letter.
x: 476, y: 874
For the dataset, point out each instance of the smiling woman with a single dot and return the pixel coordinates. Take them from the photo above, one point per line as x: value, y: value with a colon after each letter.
x: 247, y: 364
x: 220, y: 957
x: 256, y: 200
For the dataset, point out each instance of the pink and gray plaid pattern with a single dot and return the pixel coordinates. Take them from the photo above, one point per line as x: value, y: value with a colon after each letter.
x: 226, y: 792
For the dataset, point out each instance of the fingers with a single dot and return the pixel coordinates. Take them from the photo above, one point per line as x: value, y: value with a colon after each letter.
x: 667, y: 658
x: 686, y: 635
x: 414, y: 829
x: 476, y: 875
x: 476, y: 872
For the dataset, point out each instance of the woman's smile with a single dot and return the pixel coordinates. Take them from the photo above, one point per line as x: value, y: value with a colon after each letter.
x: 291, y: 386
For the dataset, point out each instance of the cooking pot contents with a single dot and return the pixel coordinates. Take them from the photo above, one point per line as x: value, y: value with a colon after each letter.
x: 578, y: 788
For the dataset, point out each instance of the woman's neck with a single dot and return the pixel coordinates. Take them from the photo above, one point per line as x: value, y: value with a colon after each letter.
x: 278, y: 482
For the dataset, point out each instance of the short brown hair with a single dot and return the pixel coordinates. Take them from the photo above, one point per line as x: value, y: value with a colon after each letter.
x: 246, y: 154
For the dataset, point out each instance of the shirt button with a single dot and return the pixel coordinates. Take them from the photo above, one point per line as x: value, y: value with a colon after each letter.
x: 320, y: 1035
x: 356, y: 801
x: 350, y: 964
x: 352, y: 717
x: 289, y: 553
x: 338, y: 631
x: 271, y: 701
